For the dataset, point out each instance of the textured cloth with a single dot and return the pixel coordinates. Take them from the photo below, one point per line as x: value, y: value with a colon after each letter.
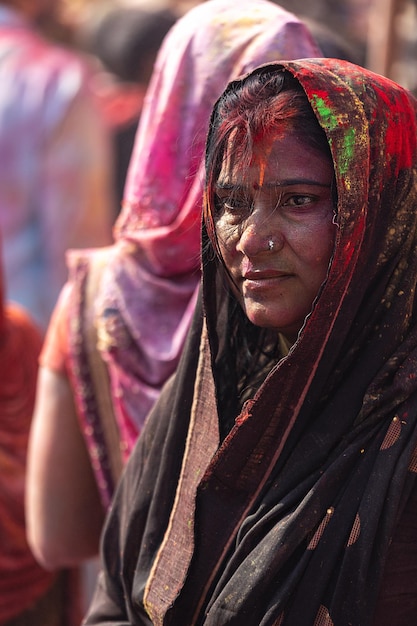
x: 146, y: 294
x: 19, y: 349
x: 302, y: 514
x: 29, y: 595
x: 55, y: 165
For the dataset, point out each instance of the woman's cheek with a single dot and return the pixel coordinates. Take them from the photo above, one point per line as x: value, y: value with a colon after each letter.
x: 227, y: 236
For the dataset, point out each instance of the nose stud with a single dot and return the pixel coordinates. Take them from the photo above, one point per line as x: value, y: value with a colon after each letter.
x: 271, y: 244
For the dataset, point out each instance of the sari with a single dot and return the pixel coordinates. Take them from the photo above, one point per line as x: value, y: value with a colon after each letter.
x: 147, y: 288
x: 296, y: 515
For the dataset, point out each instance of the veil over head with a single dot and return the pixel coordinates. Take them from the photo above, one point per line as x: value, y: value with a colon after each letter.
x: 213, y: 43
x: 334, y: 425
x: 304, y: 511
x: 149, y: 286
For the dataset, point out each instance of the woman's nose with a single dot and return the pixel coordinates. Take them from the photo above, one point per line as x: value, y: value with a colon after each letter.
x: 258, y: 239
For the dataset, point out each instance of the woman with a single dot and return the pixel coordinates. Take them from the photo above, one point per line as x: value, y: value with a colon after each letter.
x: 55, y: 158
x: 274, y: 482
x: 143, y: 297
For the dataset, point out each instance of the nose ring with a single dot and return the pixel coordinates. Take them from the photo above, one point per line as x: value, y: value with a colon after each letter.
x: 271, y: 244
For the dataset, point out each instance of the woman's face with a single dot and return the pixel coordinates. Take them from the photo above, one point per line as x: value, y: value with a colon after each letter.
x: 274, y: 224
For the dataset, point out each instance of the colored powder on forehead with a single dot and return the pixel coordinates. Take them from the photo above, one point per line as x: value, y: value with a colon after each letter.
x: 263, y: 144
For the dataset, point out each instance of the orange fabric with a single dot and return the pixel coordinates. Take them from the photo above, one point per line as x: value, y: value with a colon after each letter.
x: 20, y: 344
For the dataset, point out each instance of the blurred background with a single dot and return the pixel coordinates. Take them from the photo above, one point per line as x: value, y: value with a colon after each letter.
x: 382, y: 33
x: 119, y: 46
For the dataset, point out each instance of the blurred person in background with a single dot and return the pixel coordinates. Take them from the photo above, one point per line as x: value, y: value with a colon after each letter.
x: 332, y: 43
x: 55, y: 154
x: 125, y: 42
x: 29, y: 595
x: 121, y: 320
x: 347, y: 19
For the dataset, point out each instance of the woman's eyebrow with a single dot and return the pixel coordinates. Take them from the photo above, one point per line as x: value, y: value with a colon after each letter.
x: 270, y: 185
x: 226, y: 186
x: 291, y: 182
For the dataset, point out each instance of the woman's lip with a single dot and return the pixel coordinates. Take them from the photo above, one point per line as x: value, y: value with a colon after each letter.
x: 264, y: 281
x: 259, y: 275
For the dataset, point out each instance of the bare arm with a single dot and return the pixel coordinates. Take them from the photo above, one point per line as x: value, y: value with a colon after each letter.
x: 63, y: 508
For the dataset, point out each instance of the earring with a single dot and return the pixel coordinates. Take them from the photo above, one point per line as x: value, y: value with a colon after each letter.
x: 271, y: 244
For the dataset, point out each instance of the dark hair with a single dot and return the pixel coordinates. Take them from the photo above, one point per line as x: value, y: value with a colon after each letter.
x: 266, y: 101
x: 127, y: 40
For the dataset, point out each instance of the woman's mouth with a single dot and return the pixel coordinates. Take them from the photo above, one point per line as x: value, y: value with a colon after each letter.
x: 264, y: 279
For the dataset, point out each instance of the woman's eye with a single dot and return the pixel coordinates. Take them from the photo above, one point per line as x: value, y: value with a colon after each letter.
x: 232, y: 204
x: 298, y: 200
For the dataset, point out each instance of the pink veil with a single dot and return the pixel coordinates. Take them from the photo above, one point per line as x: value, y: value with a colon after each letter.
x: 152, y: 274
x: 213, y: 43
